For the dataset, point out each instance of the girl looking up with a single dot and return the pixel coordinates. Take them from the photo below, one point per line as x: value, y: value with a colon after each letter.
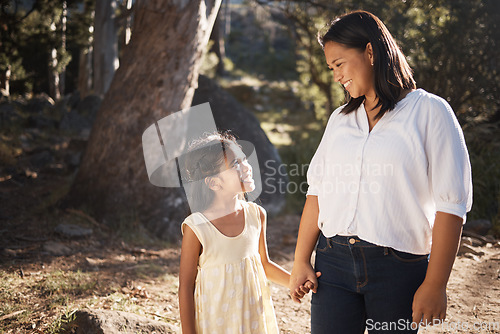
x: 224, y: 263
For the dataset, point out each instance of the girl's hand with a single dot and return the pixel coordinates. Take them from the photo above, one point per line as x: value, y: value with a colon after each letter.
x: 302, y: 280
x: 429, y: 304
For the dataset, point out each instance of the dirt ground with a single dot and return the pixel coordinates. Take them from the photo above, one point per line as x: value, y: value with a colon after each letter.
x: 45, y: 277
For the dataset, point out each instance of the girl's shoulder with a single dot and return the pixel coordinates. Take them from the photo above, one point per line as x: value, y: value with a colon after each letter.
x: 194, y: 221
x: 254, y: 206
x: 196, y: 218
x: 256, y: 212
x: 199, y: 225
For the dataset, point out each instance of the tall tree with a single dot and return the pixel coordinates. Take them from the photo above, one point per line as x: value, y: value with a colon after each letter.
x: 157, y: 76
x: 32, y: 46
x: 83, y: 22
x: 105, y: 45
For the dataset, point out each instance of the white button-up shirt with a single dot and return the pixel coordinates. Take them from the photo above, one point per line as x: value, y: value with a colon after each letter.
x: 386, y: 185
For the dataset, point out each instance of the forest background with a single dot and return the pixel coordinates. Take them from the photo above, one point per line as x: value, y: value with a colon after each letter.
x: 264, y: 53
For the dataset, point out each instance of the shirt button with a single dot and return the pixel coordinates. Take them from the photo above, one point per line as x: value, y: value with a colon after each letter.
x: 352, y: 241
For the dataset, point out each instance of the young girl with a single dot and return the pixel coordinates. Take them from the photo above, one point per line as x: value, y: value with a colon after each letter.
x: 224, y: 261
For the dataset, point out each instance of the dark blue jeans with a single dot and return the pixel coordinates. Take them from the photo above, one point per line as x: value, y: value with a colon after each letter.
x: 364, y: 286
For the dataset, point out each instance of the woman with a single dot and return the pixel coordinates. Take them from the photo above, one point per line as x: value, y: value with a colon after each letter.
x: 390, y: 175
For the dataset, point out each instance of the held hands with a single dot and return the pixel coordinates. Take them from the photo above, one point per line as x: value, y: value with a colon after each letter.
x: 302, y: 280
x: 429, y: 304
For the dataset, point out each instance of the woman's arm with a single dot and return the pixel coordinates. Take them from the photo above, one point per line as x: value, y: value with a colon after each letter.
x: 429, y: 301
x: 274, y: 272
x: 308, y: 235
x: 190, y: 253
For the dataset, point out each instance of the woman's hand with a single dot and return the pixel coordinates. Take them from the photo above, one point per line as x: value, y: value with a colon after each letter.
x: 429, y: 304
x: 302, y: 280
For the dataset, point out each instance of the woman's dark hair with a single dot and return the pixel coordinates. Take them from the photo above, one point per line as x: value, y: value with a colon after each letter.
x: 392, y: 72
x: 206, y: 157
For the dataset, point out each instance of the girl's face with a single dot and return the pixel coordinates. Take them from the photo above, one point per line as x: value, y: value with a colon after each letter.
x: 352, y: 68
x: 238, y: 176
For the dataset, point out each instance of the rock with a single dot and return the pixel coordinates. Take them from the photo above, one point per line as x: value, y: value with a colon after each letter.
x: 242, y: 92
x: 74, y: 151
x: 56, y: 248
x: 478, y: 238
x: 79, y: 121
x: 39, y: 104
x: 66, y: 104
x: 111, y: 322
x: 41, y: 159
x: 465, y: 249
x: 40, y: 122
x: 471, y: 242
x: 8, y: 252
x: 73, y: 159
x: 479, y: 226
x: 9, y: 114
x: 229, y: 114
x: 40, y: 111
x: 73, y: 231
x: 89, y: 106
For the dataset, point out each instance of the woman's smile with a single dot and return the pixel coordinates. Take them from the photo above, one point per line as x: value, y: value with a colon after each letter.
x: 352, y: 68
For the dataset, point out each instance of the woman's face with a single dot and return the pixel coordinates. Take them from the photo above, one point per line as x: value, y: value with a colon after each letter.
x: 352, y: 68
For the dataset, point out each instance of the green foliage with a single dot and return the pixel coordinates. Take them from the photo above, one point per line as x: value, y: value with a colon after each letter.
x: 297, y: 157
x: 210, y: 61
x: 61, y: 324
x: 483, y: 141
x: 7, y: 154
x: 12, y: 300
x: 317, y: 88
x: 29, y: 36
x: 61, y: 284
x: 58, y: 287
x: 259, y: 45
x: 452, y: 46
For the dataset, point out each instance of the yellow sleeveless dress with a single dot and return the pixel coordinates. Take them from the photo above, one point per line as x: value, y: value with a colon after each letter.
x: 232, y: 293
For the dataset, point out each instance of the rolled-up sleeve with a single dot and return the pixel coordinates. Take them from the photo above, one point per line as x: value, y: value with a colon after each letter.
x: 449, y: 164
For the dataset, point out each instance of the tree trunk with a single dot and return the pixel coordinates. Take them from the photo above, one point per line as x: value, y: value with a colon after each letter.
x: 84, y: 84
x: 62, y: 75
x: 105, y: 45
x: 218, y: 46
x: 227, y: 18
x: 54, y: 85
x: 4, y: 81
x: 158, y: 76
x: 128, y: 24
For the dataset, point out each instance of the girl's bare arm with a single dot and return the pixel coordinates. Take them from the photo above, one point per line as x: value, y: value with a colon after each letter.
x: 274, y: 272
x: 190, y: 253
